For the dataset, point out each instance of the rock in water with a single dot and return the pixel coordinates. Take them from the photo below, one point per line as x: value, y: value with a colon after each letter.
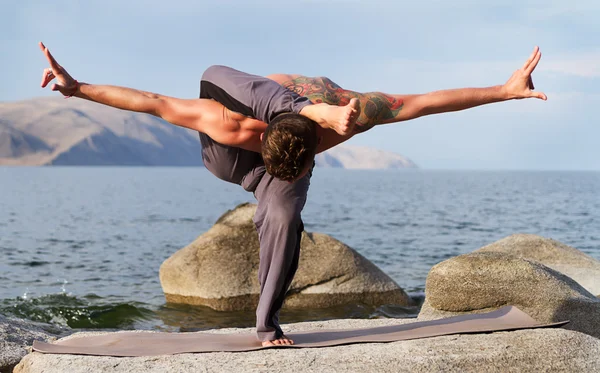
x: 565, y: 259
x: 482, y: 281
x: 220, y: 270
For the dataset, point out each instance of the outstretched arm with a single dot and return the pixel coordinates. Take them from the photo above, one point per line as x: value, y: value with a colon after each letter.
x: 195, y: 114
x: 519, y: 86
x: 381, y: 108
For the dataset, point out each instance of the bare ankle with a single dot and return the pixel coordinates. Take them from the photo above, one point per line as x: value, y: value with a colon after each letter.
x: 315, y: 112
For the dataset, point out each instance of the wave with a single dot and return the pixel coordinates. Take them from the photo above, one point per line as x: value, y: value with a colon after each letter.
x: 93, y: 312
x: 88, y: 312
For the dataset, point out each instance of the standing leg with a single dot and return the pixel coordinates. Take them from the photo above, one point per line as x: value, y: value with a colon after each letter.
x: 277, y: 220
x: 279, y: 227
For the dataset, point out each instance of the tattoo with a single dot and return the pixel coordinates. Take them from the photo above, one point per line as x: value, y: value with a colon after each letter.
x: 376, y: 107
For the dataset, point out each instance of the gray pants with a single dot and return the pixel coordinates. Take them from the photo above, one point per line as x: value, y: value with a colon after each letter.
x: 280, y: 203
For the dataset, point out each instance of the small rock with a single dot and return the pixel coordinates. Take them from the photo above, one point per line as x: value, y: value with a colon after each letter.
x: 16, y: 337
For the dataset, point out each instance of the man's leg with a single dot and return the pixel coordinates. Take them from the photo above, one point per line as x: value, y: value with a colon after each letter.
x: 250, y: 95
x: 280, y: 228
x: 232, y: 164
x: 262, y: 98
x: 376, y: 107
x: 277, y: 218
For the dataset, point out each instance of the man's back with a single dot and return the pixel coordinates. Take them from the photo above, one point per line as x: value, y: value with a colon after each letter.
x: 244, y: 132
x: 375, y: 107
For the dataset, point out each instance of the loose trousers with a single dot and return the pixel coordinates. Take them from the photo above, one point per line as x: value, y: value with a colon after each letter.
x: 280, y: 203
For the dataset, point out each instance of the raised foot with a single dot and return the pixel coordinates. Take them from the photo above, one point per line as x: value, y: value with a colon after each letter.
x: 341, y: 119
x: 283, y: 341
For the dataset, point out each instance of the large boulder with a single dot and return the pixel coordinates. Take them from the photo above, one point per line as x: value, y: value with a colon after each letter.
x: 220, y: 270
x: 16, y: 336
x: 535, y: 350
x: 565, y: 259
x: 483, y: 281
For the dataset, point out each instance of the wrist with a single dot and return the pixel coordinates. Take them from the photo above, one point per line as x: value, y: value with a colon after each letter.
x: 504, y: 93
x: 74, y: 90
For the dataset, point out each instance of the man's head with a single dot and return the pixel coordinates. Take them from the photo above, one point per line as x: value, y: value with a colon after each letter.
x: 289, y: 145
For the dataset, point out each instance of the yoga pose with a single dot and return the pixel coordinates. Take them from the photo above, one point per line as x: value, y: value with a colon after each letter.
x: 274, y: 161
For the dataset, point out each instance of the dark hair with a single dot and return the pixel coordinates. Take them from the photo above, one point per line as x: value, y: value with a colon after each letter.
x: 288, y: 145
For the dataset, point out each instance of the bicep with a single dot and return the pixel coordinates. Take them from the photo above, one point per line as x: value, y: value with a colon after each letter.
x: 194, y: 114
x: 206, y: 116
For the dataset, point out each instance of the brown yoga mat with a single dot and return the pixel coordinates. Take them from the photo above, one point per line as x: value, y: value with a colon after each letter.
x: 150, y: 343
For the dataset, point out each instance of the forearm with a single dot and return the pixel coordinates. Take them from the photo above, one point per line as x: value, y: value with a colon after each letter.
x: 201, y: 115
x: 121, y: 97
x: 455, y: 100
x: 395, y: 108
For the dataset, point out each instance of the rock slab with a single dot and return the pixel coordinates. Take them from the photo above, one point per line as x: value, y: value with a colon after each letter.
x: 536, y: 350
x: 220, y: 270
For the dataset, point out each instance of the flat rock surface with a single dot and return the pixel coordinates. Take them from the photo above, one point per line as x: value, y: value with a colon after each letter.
x: 554, y: 254
x: 548, y: 350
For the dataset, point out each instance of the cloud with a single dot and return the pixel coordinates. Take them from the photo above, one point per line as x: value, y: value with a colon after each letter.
x: 420, y: 76
x: 584, y: 64
x: 559, y: 9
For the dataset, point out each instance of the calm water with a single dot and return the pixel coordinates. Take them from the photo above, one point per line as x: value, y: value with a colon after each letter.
x: 82, y: 246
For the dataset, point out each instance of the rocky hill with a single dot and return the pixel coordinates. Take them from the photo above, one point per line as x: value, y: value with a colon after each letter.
x: 54, y: 131
x: 360, y: 157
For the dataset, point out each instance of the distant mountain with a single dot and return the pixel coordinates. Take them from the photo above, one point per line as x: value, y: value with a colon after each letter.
x: 359, y: 157
x: 54, y: 131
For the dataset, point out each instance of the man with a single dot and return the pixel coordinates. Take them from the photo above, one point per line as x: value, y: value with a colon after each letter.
x: 235, y: 149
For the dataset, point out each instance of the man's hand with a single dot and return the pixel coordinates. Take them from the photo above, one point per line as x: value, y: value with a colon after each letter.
x: 520, y: 84
x: 65, y: 84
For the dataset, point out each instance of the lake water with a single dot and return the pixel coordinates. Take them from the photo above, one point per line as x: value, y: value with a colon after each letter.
x: 82, y: 246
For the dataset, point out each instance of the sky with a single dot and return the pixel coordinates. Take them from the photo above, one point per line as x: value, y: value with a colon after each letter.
x: 395, y: 46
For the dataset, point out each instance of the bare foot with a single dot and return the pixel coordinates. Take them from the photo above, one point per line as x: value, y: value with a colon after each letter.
x: 341, y: 119
x: 283, y: 341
